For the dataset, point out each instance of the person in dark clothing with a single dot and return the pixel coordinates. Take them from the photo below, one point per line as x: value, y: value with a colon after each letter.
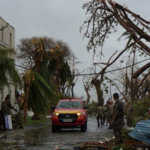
x: 6, y: 109
x: 118, y: 119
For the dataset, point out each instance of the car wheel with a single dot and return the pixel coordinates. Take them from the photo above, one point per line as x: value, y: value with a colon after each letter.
x: 84, y: 127
x: 59, y: 128
x: 54, y: 128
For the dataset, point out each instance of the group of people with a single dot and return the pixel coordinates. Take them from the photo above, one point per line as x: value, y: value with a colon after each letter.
x: 104, y: 114
x: 112, y: 115
x: 6, y: 108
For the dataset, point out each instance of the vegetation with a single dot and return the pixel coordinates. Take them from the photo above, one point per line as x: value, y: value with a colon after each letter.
x: 38, y: 94
x: 30, y: 122
x: 50, y: 75
x: 140, y: 110
x: 50, y: 58
x: 105, y: 16
x: 8, y: 70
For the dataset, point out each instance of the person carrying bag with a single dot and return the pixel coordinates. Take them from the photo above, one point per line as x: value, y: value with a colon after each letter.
x: 6, y: 113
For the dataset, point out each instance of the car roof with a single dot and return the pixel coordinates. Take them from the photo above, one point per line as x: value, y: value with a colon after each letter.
x: 70, y: 99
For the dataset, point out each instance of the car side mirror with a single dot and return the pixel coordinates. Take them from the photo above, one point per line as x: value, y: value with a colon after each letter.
x: 86, y: 107
x: 52, y: 107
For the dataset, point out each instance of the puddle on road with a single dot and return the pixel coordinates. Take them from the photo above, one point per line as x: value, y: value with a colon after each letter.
x: 44, y: 139
x: 33, y: 139
x: 22, y: 142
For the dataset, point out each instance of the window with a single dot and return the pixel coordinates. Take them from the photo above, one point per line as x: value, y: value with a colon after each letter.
x: 69, y: 104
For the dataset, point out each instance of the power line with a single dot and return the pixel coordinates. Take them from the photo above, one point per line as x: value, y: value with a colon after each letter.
x: 88, y: 73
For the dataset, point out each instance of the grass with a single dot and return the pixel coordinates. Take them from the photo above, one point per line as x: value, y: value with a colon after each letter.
x: 30, y: 122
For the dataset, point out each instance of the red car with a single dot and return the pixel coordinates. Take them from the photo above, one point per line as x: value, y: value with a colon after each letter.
x: 70, y: 113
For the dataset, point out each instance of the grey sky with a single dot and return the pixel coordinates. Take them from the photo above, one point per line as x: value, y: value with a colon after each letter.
x: 62, y: 19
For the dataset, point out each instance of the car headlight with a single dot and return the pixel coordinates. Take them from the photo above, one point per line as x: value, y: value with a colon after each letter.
x: 80, y: 113
x: 55, y: 114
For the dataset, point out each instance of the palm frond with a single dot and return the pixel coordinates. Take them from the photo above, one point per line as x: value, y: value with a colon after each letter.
x: 52, y: 65
x: 6, y: 52
x: 40, y: 96
x: 44, y: 72
x: 65, y: 72
x: 8, y: 71
x: 3, y: 78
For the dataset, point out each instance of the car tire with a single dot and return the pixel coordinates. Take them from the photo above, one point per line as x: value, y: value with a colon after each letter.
x: 59, y: 128
x: 54, y: 128
x: 84, y: 127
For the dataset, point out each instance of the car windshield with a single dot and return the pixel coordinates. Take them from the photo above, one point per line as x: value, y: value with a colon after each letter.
x: 69, y: 104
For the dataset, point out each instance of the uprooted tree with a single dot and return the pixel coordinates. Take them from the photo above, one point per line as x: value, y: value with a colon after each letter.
x: 105, y: 17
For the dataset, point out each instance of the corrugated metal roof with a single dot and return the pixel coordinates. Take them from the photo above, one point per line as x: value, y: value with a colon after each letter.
x: 142, y: 131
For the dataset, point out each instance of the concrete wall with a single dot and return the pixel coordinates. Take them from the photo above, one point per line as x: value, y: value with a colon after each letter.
x: 7, y: 35
x: 7, y: 39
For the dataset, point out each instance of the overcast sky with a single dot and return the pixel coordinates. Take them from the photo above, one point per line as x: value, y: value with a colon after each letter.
x: 61, y: 19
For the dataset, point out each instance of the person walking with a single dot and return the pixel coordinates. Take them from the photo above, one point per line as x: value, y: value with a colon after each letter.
x: 110, y: 113
x: 118, y: 119
x: 99, y: 115
x: 105, y: 115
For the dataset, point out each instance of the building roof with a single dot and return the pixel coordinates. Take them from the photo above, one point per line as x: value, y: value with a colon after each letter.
x: 7, y: 22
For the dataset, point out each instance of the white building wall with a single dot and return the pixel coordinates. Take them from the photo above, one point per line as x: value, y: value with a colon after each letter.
x: 7, y: 39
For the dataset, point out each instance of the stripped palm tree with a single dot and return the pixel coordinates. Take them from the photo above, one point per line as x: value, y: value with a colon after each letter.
x: 7, y: 67
x: 59, y: 66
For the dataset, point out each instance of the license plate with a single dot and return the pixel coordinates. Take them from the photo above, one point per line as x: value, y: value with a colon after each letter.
x: 67, y: 120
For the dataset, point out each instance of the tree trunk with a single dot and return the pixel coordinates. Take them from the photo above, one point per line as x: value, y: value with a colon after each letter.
x: 99, y: 96
x: 88, y: 95
x: 99, y: 92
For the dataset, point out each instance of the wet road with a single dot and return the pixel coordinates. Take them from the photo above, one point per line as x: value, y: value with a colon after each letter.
x: 44, y: 139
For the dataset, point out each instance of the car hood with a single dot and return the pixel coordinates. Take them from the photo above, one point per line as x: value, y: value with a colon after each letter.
x: 68, y: 110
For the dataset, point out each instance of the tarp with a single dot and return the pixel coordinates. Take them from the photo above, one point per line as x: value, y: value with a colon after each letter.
x: 142, y: 131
